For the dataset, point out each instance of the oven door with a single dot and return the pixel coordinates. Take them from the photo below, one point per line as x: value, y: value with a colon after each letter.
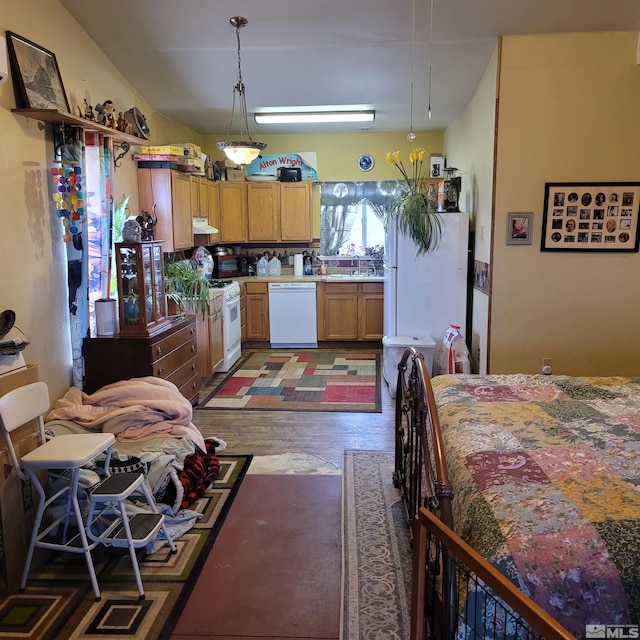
x: 232, y: 323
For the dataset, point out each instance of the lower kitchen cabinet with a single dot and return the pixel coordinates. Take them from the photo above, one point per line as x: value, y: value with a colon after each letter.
x: 370, y: 310
x: 171, y: 354
x: 257, y: 310
x: 350, y: 310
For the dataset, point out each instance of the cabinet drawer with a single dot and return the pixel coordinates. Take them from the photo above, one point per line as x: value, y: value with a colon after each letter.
x: 187, y: 373
x: 341, y: 287
x: 256, y: 287
x: 166, y: 345
x: 372, y: 287
x: 165, y: 367
x: 191, y: 389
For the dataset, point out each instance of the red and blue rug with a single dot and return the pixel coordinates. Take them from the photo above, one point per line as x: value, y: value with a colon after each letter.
x: 304, y: 380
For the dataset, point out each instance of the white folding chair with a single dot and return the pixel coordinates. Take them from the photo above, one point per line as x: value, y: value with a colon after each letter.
x: 65, y: 452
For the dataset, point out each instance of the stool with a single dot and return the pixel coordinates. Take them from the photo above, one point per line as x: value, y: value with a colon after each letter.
x: 108, y: 500
x: 68, y: 453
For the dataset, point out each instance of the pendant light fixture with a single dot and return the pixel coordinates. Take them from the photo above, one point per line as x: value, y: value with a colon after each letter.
x: 245, y: 150
x: 411, y: 136
x: 430, y: 50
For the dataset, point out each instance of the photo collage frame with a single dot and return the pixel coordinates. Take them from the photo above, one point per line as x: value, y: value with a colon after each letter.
x: 600, y: 216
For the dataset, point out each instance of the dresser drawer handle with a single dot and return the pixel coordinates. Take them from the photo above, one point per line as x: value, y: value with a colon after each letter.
x: 160, y: 370
x: 193, y: 348
x: 194, y: 366
x: 159, y: 350
x: 192, y: 331
x: 194, y: 386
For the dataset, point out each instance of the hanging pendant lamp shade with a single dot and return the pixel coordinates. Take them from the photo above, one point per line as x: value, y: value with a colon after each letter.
x: 244, y: 150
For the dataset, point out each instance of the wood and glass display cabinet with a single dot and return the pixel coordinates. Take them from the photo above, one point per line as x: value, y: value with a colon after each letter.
x: 141, y: 296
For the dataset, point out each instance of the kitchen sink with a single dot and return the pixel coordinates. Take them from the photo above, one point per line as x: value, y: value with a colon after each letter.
x: 348, y: 276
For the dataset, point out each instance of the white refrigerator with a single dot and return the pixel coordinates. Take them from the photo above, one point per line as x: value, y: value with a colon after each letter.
x: 424, y: 294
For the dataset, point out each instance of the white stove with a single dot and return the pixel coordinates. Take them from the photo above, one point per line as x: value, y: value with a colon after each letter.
x: 229, y: 290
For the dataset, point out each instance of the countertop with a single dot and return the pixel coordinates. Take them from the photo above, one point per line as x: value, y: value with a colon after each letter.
x: 315, y: 278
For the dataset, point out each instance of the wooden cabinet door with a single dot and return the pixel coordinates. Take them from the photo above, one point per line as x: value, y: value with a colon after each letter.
x: 233, y: 211
x: 181, y: 205
x: 295, y: 211
x: 370, y: 311
x: 263, y: 203
x: 215, y: 337
x: 340, y: 311
x: 213, y: 209
x: 257, y: 307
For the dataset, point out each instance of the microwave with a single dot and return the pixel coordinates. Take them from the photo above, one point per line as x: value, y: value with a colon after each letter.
x: 229, y: 266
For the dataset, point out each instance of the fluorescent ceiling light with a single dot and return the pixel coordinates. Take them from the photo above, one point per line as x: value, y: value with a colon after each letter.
x: 311, y: 117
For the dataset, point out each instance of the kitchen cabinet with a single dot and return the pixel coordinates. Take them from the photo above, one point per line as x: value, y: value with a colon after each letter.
x: 205, y: 203
x: 263, y: 201
x: 370, y: 310
x: 243, y: 312
x: 171, y: 354
x: 295, y: 211
x: 257, y: 311
x: 209, y: 336
x: 233, y: 211
x: 350, y: 310
x: 167, y: 194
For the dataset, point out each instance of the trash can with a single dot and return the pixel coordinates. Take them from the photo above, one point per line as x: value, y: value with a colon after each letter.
x: 392, y: 349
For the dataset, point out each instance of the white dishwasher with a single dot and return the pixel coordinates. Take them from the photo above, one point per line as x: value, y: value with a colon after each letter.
x: 292, y: 315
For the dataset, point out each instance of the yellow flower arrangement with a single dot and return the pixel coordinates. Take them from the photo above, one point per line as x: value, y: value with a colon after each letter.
x: 416, y: 203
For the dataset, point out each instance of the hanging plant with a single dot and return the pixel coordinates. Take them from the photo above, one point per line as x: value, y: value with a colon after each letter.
x: 416, y: 203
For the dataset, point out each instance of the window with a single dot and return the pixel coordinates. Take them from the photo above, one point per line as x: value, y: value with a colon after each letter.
x: 352, y: 215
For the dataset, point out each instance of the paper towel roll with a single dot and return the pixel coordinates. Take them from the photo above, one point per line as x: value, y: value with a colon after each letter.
x: 297, y: 264
x: 106, y: 317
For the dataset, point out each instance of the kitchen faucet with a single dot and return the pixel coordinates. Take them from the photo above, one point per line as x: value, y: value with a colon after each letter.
x: 353, y: 273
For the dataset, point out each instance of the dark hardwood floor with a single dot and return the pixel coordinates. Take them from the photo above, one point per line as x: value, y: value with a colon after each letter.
x: 324, y: 434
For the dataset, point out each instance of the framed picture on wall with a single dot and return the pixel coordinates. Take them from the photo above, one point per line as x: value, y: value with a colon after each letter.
x: 519, y: 228
x: 37, y: 82
x: 591, y: 216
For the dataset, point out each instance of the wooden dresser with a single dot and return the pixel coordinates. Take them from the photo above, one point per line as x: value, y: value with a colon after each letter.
x: 170, y: 354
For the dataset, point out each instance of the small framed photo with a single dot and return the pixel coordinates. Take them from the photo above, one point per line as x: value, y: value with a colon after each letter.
x: 37, y: 82
x: 519, y: 228
x: 436, y: 166
x: 591, y: 216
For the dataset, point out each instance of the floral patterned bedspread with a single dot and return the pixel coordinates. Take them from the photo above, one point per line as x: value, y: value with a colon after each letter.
x: 546, y: 473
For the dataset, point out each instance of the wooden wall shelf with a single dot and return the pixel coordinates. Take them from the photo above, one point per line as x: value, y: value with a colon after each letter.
x: 55, y: 116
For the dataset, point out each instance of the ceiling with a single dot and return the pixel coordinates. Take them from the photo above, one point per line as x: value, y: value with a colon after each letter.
x: 181, y: 56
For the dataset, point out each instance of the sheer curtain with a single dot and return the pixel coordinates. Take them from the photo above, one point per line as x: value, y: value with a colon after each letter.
x: 340, y: 204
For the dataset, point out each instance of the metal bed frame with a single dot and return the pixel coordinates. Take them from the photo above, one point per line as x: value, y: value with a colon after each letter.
x: 445, y: 568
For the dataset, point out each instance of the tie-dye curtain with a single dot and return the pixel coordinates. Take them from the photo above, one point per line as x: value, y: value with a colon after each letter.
x: 339, y: 205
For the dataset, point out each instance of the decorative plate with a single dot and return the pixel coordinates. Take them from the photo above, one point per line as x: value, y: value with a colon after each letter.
x: 365, y: 162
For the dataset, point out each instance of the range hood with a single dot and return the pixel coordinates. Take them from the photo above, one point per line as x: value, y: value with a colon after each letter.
x: 202, y: 226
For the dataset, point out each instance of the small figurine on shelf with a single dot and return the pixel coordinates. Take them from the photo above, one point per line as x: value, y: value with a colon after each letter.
x: 123, y: 124
x: 107, y: 111
x: 132, y: 231
x: 147, y: 224
x: 88, y: 111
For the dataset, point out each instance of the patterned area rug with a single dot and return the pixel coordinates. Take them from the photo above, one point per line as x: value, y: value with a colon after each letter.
x: 376, y: 550
x: 59, y: 602
x: 312, y: 380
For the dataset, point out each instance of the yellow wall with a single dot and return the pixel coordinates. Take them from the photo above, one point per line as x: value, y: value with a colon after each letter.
x: 568, y: 111
x: 32, y: 255
x: 469, y: 146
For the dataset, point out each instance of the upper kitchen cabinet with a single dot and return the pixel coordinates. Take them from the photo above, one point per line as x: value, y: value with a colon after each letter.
x: 167, y: 193
x: 233, y: 211
x: 205, y: 203
x: 295, y: 211
x: 263, y: 200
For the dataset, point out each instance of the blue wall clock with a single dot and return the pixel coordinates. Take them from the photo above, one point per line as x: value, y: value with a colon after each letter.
x: 365, y: 162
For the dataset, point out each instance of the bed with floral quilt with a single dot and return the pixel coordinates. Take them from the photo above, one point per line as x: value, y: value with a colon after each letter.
x: 545, y: 472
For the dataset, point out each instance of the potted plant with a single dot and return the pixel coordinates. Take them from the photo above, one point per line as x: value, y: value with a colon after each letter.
x: 416, y: 203
x: 185, y: 288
